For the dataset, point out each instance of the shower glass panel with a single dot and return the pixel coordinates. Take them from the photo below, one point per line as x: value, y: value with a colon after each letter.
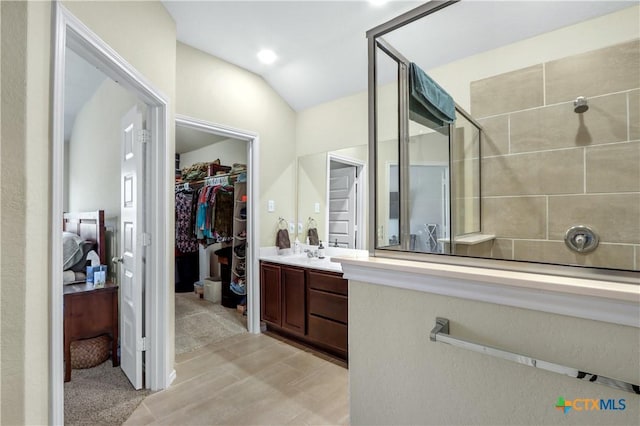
x: 414, y: 155
x: 387, y: 152
x: 428, y: 201
x: 465, y: 165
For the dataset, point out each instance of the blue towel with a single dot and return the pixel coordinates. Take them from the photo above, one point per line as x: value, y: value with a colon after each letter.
x: 428, y: 100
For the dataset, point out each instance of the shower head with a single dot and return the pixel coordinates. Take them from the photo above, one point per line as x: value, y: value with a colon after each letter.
x: 580, y: 105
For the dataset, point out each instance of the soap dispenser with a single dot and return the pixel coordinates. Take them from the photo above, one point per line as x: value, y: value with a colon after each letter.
x: 296, y: 246
x: 320, y: 251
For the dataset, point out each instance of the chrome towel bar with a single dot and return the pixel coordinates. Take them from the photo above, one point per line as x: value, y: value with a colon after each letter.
x: 440, y: 333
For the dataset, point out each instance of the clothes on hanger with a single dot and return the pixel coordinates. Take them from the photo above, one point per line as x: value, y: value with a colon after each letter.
x: 185, y: 239
x: 203, y: 215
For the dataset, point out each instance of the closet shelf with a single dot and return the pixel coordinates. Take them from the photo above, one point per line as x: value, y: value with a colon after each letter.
x: 238, y: 282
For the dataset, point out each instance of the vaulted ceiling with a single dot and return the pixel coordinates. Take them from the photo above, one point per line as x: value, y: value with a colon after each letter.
x: 321, y: 45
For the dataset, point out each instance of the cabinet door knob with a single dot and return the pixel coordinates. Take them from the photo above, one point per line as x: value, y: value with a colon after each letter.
x: 117, y: 260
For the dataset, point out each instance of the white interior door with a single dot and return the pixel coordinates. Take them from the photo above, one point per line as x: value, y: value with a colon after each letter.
x: 342, y: 207
x: 131, y: 244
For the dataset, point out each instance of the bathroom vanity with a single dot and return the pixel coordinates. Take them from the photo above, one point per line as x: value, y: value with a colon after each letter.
x: 305, y: 300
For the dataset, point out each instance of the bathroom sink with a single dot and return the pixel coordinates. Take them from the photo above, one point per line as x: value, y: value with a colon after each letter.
x: 302, y: 260
x: 271, y: 254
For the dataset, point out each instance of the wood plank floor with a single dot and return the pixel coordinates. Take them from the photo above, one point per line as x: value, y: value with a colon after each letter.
x: 250, y: 379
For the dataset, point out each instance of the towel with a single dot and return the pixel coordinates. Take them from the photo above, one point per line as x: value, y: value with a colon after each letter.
x: 282, y: 239
x: 429, y: 104
x: 312, y: 233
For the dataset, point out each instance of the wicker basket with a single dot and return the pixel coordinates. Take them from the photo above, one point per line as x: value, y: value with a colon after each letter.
x: 88, y: 353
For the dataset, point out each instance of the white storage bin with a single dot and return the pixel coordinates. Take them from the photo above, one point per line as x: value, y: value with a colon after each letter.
x: 213, y: 291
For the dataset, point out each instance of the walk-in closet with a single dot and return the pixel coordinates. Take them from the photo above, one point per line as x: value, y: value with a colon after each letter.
x: 210, y: 238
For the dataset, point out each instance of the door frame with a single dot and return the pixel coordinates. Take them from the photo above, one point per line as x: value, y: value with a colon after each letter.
x: 361, y: 182
x: 253, y: 197
x: 70, y: 31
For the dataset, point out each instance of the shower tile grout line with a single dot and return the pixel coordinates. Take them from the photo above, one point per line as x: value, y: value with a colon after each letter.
x: 513, y: 154
x: 570, y: 101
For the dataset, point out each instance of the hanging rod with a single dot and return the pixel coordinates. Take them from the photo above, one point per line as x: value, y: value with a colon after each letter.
x: 217, y: 180
x: 223, y: 179
x: 440, y: 333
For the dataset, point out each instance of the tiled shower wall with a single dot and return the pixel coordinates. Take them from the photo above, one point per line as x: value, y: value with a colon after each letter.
x: 546, y: 168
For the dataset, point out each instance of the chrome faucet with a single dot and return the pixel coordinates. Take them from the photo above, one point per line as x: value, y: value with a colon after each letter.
x: 311, y: 253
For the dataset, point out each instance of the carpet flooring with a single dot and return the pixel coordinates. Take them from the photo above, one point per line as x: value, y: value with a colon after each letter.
x: 200, y: 322
x: 102, y: 395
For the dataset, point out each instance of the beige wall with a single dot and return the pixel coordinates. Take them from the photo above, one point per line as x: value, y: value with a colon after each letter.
x: 25, y: 223
x: 398, y: 376
x: 24, y: 215
x: 342, y: 123
x: 94, y: 150
x: 1, y: 132
x: 312, y: 188
x: 213, y: 90
x: 229, y: 151
x: 332, y: 125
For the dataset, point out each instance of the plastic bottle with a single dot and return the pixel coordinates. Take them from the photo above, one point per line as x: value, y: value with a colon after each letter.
x: 320, y: 251
x: 296, y: 246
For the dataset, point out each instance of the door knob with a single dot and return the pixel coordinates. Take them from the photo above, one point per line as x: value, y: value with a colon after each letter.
x: 117, y: 260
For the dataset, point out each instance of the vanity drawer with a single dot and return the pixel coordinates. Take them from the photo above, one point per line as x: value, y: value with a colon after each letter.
x: 327, y: 332
x: 327, y: 305
x: 324, y: 281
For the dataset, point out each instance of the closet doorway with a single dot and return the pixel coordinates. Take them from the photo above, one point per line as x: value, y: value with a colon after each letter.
x: 215, y: 229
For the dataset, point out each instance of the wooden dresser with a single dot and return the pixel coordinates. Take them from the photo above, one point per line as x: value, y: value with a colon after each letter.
x: 90, y: 312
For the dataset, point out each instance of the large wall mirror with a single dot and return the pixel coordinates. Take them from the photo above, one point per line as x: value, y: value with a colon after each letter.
x: 529, y: 145
x: 332, y: 196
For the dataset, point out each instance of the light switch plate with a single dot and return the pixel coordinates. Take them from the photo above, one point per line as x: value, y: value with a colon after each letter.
x: 316, y: 207
x: 299, y: 227
x: 271, y: 206
x: 292, y: 227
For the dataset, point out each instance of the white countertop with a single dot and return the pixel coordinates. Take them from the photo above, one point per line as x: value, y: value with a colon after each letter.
x: 287, y: 257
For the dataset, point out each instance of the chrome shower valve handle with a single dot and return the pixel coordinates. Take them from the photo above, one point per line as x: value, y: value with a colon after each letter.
x: 581, y: 239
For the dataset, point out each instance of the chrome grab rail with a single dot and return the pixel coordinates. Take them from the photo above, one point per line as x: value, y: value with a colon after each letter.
x: 440, y: 333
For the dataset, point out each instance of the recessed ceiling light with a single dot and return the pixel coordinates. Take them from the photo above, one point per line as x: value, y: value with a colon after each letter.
x: 378, y: 3
x: 267, y: 56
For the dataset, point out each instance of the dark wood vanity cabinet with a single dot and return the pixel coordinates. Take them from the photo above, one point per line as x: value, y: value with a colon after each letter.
x: 327, y: 303
x: 307, y: 304
x: 293, y: 306
x: 282, y: 297
x: 270, y: 294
